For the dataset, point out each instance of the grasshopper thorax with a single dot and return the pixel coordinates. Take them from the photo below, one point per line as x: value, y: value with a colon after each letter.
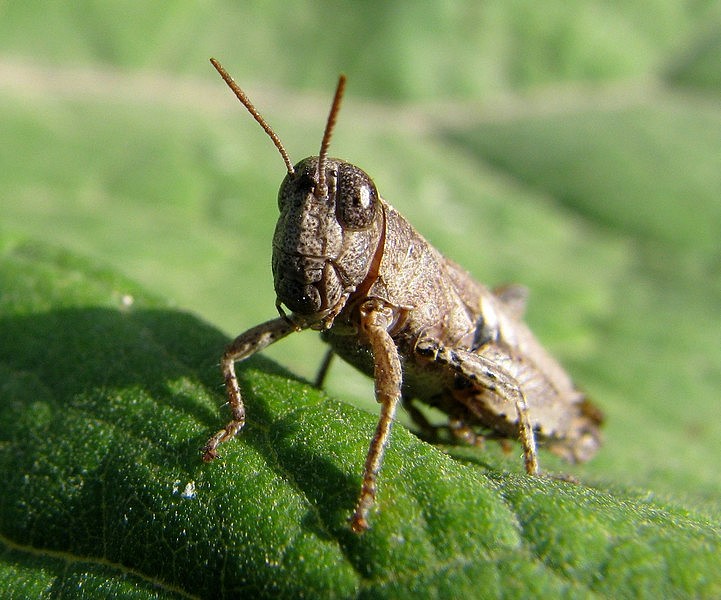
x: 327, y: 234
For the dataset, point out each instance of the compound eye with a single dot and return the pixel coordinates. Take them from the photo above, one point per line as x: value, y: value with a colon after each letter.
x: 356, y: 198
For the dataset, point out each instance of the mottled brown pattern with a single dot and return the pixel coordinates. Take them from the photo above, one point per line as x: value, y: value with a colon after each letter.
x: 349, y: 265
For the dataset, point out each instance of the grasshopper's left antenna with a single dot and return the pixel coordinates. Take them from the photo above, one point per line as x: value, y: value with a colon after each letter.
x: 256, y: 115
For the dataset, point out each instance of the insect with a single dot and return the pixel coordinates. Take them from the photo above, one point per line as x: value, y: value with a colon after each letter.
x: 347, y: 264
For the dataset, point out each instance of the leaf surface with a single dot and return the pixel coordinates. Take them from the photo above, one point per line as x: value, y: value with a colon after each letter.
x: 573, y: 149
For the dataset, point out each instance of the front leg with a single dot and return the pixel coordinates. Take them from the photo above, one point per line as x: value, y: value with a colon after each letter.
x: 245, y: 345
x: 479, y: 371
x: 376, y: 318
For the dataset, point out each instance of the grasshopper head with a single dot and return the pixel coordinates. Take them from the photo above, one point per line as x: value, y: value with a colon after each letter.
x: 326, y: 236
x: 330, y: 224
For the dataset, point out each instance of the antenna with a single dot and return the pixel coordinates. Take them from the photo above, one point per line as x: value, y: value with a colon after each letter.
x: 335, y: 107
x: 240, y: 94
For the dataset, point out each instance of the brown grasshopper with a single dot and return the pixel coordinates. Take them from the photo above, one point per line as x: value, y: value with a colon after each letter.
x: 350, y: 266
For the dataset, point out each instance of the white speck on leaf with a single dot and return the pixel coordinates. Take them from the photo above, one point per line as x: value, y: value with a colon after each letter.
x: 189, y: 491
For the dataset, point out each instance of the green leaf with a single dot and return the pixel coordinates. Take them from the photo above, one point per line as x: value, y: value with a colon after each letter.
x: 107, y: 397
x: 571, y: 148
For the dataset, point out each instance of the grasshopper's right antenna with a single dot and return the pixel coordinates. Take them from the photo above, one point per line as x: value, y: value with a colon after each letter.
x: 323, y: 154
x: 256, y: 115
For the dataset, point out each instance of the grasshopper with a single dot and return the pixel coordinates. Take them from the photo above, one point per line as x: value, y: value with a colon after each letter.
x: 347, y: 264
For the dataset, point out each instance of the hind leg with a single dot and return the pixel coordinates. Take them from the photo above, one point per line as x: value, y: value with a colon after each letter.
x: 479, y: 373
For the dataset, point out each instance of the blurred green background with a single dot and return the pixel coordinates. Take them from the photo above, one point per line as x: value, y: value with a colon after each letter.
x: 572, y: 147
